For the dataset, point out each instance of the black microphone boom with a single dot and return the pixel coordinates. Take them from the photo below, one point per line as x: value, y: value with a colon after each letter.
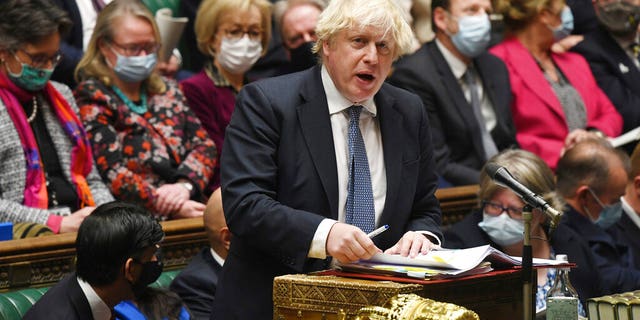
x: 503, y: 177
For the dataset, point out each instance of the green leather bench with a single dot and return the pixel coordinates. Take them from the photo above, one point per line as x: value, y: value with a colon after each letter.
x: 14, y: 304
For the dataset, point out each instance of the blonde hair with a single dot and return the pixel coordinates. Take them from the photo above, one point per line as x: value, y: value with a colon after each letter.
x: 381, y: 14
x: 517, y: 14
x: 211, y: 12
x: 94, y: 64
x: 528, y: 169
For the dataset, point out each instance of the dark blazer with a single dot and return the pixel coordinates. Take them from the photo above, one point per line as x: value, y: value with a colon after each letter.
x: 64, y: 301
x: 608, y: 61
x: 611, y: 258
x: 279, y: 181
x: 70, y: 45
x: 584, y: 278
x: 456, y: 133
x: 196, y: 284
x: 627, y: 232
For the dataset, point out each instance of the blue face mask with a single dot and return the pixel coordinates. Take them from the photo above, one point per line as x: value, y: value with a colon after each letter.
x: 609, y: 215
x: 30, y: 78
x: 474, y: 34
x: 136, y: 68
x: 502, y: 229
x: 566, y: 27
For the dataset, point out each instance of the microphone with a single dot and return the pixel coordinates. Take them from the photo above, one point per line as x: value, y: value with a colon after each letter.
x: 503, y: 177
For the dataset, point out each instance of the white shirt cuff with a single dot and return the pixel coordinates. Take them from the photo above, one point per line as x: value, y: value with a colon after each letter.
x: 318, y: 248
x: 431, y: 236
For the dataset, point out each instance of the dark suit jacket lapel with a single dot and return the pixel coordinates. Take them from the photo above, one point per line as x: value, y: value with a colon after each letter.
x: 77, y: 298
x: 391, y: 124
x: 456, y: 95
x: 617, y: 56
x: 313, y: 115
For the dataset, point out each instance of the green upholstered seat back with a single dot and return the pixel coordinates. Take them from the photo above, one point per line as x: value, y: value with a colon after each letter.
x: 14, y: 304
x: 154, y: 5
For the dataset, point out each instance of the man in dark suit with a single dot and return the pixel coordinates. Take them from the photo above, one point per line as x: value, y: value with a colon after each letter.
x: 612, y: 53
x: 114, y: 246
x: 466, y: 131
x: 591, y: 177
x: 290, y: 192
x: 196, y: 284
x: 627, y: 229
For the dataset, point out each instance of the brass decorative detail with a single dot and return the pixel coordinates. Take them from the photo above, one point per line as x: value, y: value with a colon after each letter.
x: 414, y: 307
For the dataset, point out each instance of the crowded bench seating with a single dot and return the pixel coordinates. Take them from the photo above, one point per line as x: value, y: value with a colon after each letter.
x: 42, y: 261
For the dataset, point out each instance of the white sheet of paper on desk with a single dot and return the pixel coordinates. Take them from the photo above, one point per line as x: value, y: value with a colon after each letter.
x: 460, y: 259
x: 623, y: 139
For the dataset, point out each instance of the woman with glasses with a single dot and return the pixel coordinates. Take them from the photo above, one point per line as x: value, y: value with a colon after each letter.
x: 499, y: 223
x: 149, y: 147
x: 47, y: 174
x: 233, y: 34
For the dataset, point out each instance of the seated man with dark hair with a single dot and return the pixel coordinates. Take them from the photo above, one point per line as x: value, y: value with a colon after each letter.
x: 116, y: 259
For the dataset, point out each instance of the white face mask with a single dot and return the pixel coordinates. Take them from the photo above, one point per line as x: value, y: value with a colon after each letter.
x: 238, y: 56
x: 502, y: 229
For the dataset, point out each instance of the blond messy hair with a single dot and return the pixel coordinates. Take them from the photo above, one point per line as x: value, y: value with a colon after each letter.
x: 384, y: 15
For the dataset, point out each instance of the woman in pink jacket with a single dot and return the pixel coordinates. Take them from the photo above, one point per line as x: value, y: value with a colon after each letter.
x: 556, y: 101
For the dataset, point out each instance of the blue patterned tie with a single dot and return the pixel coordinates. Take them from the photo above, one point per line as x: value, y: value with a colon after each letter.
x: 360, y: 210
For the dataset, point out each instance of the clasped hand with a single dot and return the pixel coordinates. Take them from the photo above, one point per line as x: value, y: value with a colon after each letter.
x: 348, y: 243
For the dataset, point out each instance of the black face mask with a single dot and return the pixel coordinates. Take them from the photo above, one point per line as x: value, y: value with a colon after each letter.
x: 619, y: 18
x: 302, y: 58
x: 151, y: 271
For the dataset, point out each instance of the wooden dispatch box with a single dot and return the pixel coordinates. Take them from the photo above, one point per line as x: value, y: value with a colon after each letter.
x: 299, y: 296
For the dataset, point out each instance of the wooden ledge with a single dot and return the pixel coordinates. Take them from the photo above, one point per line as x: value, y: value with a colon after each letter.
x: 43, y: 261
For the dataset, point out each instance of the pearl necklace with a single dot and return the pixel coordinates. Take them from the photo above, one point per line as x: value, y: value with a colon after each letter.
x: 34, y: 112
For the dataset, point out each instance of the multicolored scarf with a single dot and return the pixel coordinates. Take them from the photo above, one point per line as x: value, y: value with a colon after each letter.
x: 35, y: 193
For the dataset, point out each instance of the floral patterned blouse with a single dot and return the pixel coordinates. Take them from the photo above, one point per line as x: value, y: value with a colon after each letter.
x: 136, y: 153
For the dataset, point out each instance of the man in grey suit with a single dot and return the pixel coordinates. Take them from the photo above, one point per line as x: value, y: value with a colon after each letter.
x: 315, y: 160
x: 465, y: 89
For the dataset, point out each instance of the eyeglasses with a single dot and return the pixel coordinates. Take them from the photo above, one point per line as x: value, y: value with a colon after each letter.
x: 131, y: 50
x: 40, y: 60
x: 496, y: 209
x: 237, y: 34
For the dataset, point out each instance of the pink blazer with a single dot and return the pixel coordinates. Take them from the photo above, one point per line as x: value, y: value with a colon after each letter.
x: 538, y: 116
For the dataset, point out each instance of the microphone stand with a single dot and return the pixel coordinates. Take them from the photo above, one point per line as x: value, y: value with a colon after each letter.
x: 527, y: 266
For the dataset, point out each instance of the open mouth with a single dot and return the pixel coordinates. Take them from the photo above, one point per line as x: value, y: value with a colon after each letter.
x: 365, y: 77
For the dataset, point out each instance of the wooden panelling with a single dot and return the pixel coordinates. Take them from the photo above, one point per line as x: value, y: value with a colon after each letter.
x: 39, y: 262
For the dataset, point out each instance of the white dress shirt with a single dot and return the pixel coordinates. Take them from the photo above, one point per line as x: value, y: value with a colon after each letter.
x: 99, y: 308
x: 338, y: 107
x: 628, y: 210
x: 217, y: 257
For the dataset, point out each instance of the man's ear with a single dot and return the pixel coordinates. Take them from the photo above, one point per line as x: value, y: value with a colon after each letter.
x: 225, y: 237
x: 128, y: 270
x: 582, y: 194
x: 441, y: 19
x: 636, y: 186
